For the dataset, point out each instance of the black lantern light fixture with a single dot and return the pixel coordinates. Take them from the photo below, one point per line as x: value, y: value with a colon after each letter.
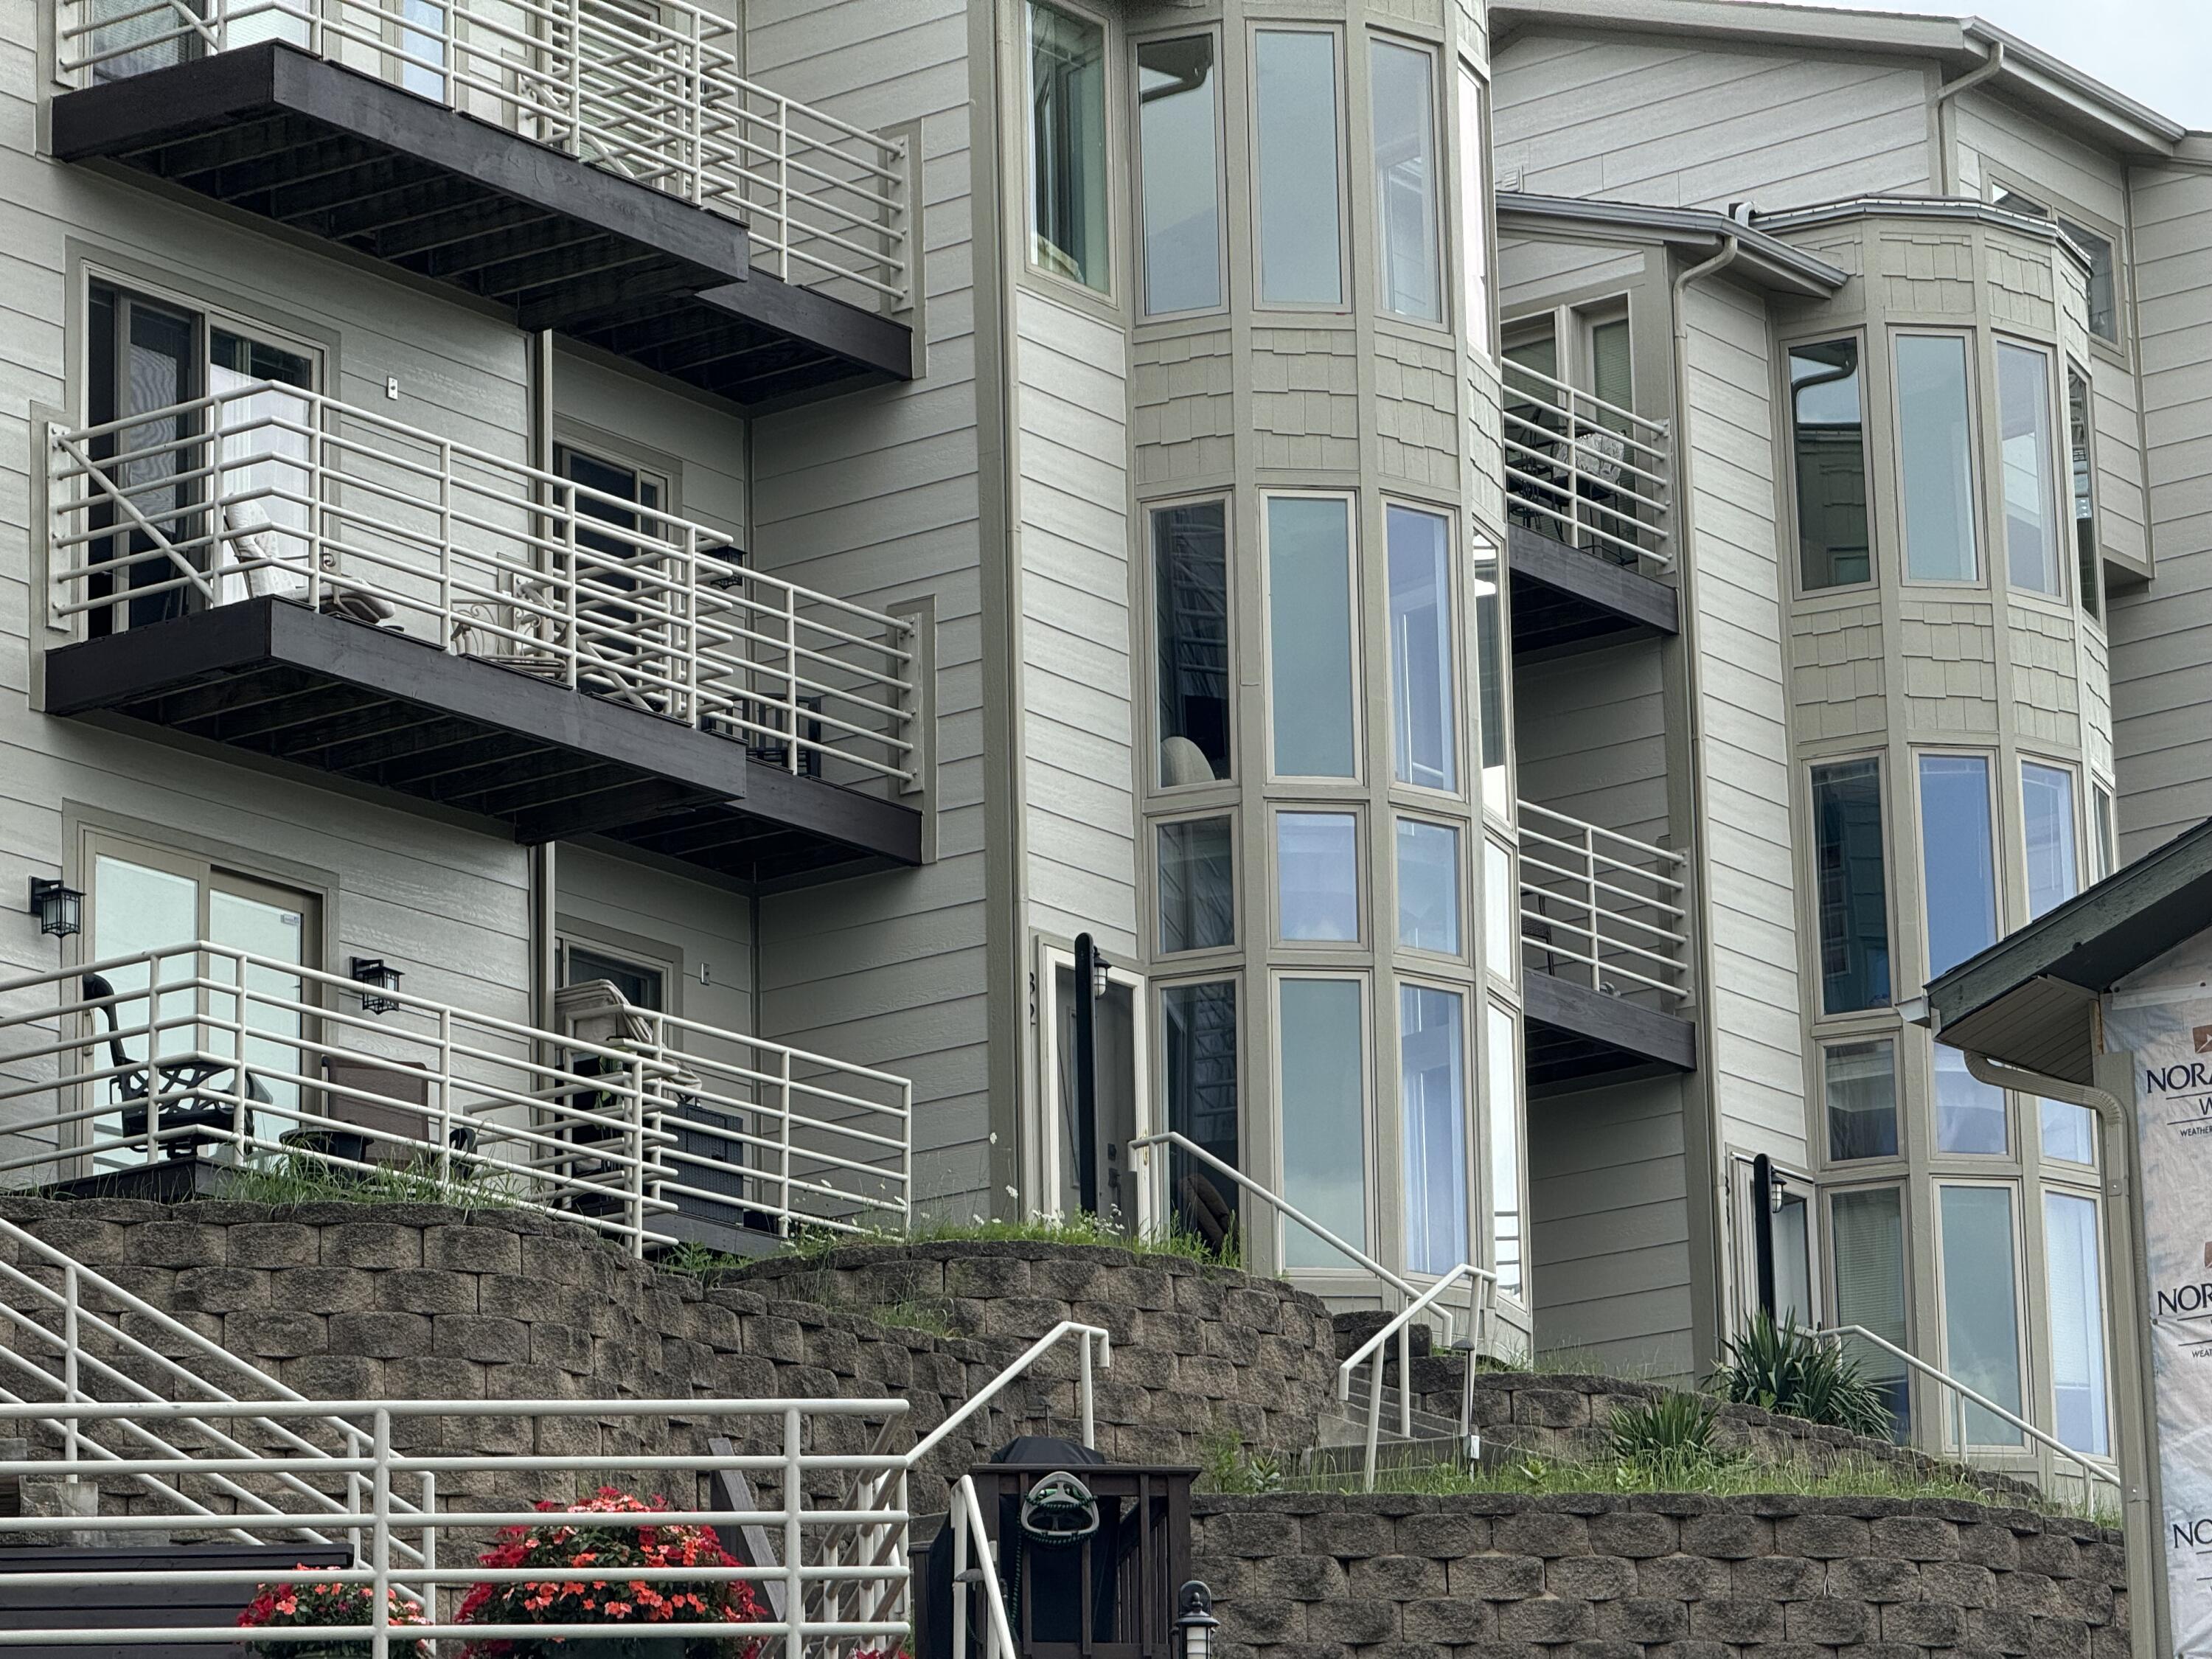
x: 59, y: 908
x: 1195, y: 1621
x: 375, y: 976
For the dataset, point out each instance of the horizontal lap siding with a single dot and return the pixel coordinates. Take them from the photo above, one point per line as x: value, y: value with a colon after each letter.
x: 1590, y: 737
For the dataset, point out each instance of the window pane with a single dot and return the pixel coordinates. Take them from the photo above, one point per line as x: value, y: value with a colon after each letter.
x: 1489, y: 574
x: 1198, y: 1023
x: 1432, y: 1100
x: 1970, y: 1115
x: 1981, y: 1324
x: 1422, y: 695
x: 2031, y: 521
x: 1854, y: 893
x: 2088, y: 569
x: 2047, y: 798
x: 1324, y: 1116
x: 1403, y: 82
x: 1309, y: 635
x: 1868, y: 1230
x: 1067, y: 145
x: 1862, y: 1089
x: 2104, y: 295
x: 1178, y: 89
x: 2106, y: 857
x: 1958, y: 877
x: 1504, y: 1163
x: 1501, y: 905
x: 2077, y: 1323
x: 1190, y: 603
x: 2069, y: 1131
x: 1474, y: 224
x: 1317, y: 865
x: 1828, y: 431
x: 1613, y: 376
x: 1428, y: 887
x: 1198, y: 887
x: 1300, y: 255
x: 1937, y: 438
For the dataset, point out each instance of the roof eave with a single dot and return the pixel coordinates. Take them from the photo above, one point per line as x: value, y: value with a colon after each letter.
x: 1762, y: 257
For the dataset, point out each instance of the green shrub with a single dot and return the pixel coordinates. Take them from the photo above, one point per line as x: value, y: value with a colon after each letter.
x: 1797, y: 1373
x: 1675, y: 1426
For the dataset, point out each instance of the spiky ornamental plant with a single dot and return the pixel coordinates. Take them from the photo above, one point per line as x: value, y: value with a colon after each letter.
x: 1797, y: 1373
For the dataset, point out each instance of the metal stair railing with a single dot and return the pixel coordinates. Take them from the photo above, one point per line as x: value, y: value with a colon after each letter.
x: 1481, y: 1296
x: 966, y: 1520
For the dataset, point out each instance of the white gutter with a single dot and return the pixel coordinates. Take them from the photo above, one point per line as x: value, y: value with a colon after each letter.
x: 1946, y: 137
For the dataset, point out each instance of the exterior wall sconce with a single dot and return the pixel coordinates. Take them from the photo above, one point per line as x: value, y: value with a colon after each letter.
x: 1195, y: 1621
x: 374, y: 977
x: 59, y: 908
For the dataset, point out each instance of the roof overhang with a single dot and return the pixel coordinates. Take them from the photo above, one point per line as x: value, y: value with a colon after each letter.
x: 1762, y: 258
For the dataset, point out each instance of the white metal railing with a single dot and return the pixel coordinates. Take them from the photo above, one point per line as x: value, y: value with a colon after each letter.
x: 630, y: 1122
x: 266, y: 489
x: 1481, y: 1296
x: 1585, y: 472
x: 1603, y: 909
x: 969, y: 1537
x: 651, y: 93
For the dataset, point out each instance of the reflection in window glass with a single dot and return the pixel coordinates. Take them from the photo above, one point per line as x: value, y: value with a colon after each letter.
x: 1474, y: 204
x: 1854, y: 894
x: 1324, y: 1116
x: 2069, y: 1131
x: 1402, y: 82
x: 2046, y: 799
x: 1500, y: 902
x: 1432, y: 1099
x: 1423, y: 725
x: 1868, y: 1229
x: 1828, y: 433
x: 1178, y: 87
x: 1317, y: 865
x: 1935, y: 437
x: 2089, y: 570
x: 1981, y: 1320
x: 1428, y: 887
x: 1301, y: 260
x: 1198, y: 888
x: 1309, y: 635
x: 2077, y: 1323
x: 1488, y: 574
x: 1970, y: 1115
x: 1199, y: 1039
x: 1862, y: 1091
x: 2101, y: 802
x: 1611, y: 367
x: 1504, y: 1062
x: 1958, y: 883
x: 1190, y: 630
x: 2024, y: 420
x: 1067, y: 145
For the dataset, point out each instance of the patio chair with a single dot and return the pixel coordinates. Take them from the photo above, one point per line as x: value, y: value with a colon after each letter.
x: 186, y: 1090
x: 257, y: 560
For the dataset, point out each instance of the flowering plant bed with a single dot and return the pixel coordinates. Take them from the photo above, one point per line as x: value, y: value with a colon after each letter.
x: 310, y: 1604
x: 570, y: 1549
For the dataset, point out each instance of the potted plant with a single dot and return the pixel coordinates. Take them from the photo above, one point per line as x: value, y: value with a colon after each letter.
x: 572, y: 1546
x: 308, y: 1603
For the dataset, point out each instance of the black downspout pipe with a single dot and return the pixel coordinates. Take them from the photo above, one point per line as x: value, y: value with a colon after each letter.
x: 1762, y: 1230
x: 1086, y: 1076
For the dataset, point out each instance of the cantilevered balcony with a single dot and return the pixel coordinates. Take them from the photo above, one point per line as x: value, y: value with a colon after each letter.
x: 277, y: 573
x: 1605, y: 954
x: 602, y: 169
x: 1591, y: 522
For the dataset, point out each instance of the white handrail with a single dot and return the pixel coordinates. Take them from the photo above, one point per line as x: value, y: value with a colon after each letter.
x: 1482, y: 1286
x: 966, y: 1520
x: 1614, y: 904
x: 1599, y: 475
x: 1092, y: 1337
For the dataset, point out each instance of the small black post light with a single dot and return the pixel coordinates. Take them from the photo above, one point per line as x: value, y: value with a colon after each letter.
x: 373, y: 973
x: 1196, y: 1621
x: 59, y: 908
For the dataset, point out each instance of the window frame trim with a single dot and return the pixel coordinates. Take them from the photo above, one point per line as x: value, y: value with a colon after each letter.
x: 1355, y: 603
x: 1363, y: 980
x: 1430, y: 961
x: 1471, y: 999
x: 1446, y: 321
x: 1140, y: 299
x: 1110, y: 296
x: 1346, y: 302
x: 1823, y: 1020
x: 1992, y: 759
x: 1968, y: 336
x: 1154, y: 951
x: 2015, y: 1190
x: 1457, y: 632
x: 2061, y: 503
x: 2056, y: 206
x: 1858, y: 334
x: 2073, y: 771
x: 1363, y: 877
x: 1148, y: 637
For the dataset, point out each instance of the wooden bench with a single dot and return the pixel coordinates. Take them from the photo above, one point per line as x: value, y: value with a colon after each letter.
x: 151, y: 1600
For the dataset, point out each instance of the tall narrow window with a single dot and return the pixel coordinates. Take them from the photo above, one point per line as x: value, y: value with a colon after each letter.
x: 1854, y: 892
x: 1488, y: 574
x: 1198, y: 887
x: 1401, y: 82
x: 1190, y: 632
x: 1612, y: 369
x: 1178, y: 137
x: 1501, y: 908
x: 1861, y: 1081
x: 2069, y: 1131
x: 2088, y: 568
x: 1959, y: 886
x: 2104, y: 284
x: 2031, y: 512
x: 1503, y: 1118
x: 1868, y: 1228
x: 1428, y: 887
x: 1981, y: 1308
x: 1935, y: 438
x: 1432, y: 1101
x: 1301, y: 247
x: 1067, y: 145
x: 1310, y: 693
x: 2054, y: 871
x: 2101, y: 803
x: 1324, y: 1106
x: 1970, y: 1115
x: 1198, y: 1042
x: 1474, y: 214
x: 2078, y: 1413
x: 1424, y: 721
x: 1317, y: 867
x: 1828, y: 416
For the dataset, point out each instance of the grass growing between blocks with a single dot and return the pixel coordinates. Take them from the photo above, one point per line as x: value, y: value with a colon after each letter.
x: 1080, y: 1228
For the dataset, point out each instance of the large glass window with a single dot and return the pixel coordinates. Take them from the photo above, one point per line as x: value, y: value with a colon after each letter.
x: 1317, y: 869
x: 1504, y: 1063
x: 1861, y: 1080
x: 1937, y: 440
x: 1198, y: 886
x: 1474, y: 214
x: 1178, y: 137
x: 1324, y: 1104
x: 2030, y: 512
x: 1190, y: 630
x: 1432, y: 1100
x: 1959, y: 885
x: 1970, y: 1115
x: 1867, y: 1230
x: 1428, y: 887
x: 1424, y: 722
x: 1067, y: 145
x: 2069, y: 1131
x: 1501, y: 907
x: 1300, y: 248
x: 1854, y: 893
x: 1981, y: 1311
x: 1199, y: 1043
x: 1401, y: 82
x: 1828, y: 416
x: 1310, y: 691
x: 2079, y: 1415
x: 2089, y: 570
x: 2054, y: 869
x: 2100, y: 803
x: 1488, y: 574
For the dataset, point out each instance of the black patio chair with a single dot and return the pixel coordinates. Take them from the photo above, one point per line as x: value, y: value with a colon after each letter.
x: 185, y: 1091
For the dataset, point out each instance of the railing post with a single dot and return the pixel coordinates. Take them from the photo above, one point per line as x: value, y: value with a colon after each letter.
x: 430, y: 1544
x: 380, y: 1617
x: 791, y: 677
x: 1405, y: 1380
x: 794, y: 1495
x: 783, y: 1103
x: 1083, y: 1400
x: 69, y: 1352
x: 783, y: 235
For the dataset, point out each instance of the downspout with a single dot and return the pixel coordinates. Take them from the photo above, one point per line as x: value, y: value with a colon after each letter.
x: 1947, y: 175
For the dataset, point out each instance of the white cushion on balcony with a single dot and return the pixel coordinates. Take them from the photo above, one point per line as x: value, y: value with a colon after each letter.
x: 278, y: 563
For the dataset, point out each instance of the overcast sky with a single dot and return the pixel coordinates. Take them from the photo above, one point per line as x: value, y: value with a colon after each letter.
x: 2157, y: 51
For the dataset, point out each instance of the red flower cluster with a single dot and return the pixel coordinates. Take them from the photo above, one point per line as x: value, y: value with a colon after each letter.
x: 310, y: 1603
x: 571, y: 1550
